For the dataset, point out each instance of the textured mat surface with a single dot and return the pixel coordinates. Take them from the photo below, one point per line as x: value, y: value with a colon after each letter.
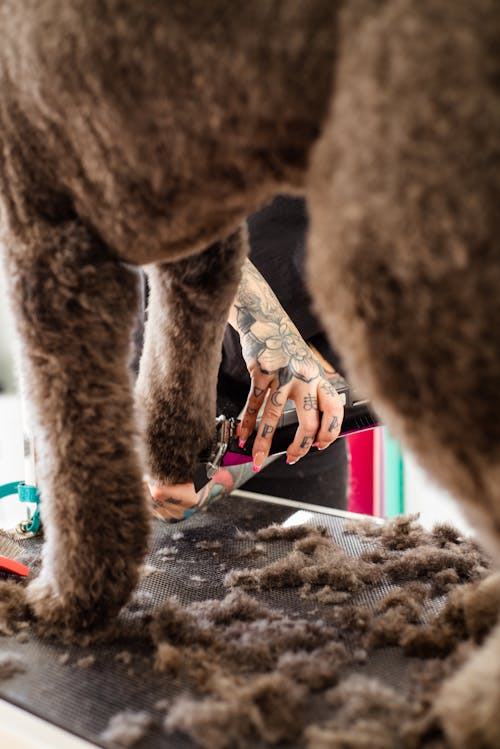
x: 83, y: 697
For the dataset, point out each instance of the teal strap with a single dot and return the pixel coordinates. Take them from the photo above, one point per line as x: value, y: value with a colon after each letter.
x: 7, y: 489
x: 25, y: 493
x: 28, y: 493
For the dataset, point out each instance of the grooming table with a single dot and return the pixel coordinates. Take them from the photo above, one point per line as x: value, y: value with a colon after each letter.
x: 81, y: 700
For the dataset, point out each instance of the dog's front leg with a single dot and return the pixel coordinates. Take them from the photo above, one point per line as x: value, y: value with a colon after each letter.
x: 75, y: 307
x: 188, y: 306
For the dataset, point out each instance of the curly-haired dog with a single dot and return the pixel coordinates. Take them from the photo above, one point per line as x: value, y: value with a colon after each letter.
x: 143, y: 133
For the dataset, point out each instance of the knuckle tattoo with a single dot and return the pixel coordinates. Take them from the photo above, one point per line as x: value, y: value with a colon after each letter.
x: 275, y: 398
x: 328, y: 389
x: 310, y: 402
x: 266, y: 430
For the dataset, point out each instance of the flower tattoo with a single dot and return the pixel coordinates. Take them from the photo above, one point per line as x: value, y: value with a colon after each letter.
x: 269, y: 336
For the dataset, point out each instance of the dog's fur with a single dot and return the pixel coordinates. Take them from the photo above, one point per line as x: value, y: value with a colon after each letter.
x: 143, y: 133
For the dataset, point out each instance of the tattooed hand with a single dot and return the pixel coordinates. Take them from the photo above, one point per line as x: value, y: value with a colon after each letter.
x: 282, y: 367
x: 175, y: 502
x: 178, y: 502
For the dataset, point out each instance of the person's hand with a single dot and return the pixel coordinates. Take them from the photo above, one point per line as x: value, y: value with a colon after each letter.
x: 176, y: 502
x: 282, y: 367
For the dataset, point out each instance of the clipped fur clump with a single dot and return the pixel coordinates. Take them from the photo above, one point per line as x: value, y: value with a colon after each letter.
x: 392, y: 616
x: 167, y: 551
x: 368, y: 527
x: 280, y: 574
x: 423, y: 563
x: 277, y: 532
x: 208, y: 545
x: 444, y: 534
x: 253, y: 552
x: 176, y: 625
x: 11, y: 664
x: 377, y: 556
x: 146, y: 570
x: 124, y: 657
x: 316, y: 669
x: 315, y: 560
x: 269, y: 707
x: 443, y: 581
x: 259, y: 644
x: 237, y: 634
x: 127, y: 728
x: 325, y: 595
x: 351, y: 621
x: 140, y: 600
x: 237, y: 606
x: 13, y: 606
x: 86, y: 661
x: 403, y: 532
x: 368, y: 715
x: 441, y: 635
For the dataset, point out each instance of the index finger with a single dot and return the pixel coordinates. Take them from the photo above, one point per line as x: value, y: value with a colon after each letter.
x: 270, y: 419
x: 259, y: 387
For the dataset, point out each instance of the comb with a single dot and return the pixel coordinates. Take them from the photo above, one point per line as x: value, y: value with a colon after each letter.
x: 9, y: 550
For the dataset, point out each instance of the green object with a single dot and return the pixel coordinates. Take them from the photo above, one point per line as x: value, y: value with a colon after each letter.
x: 6, y: 490
x: 393, y: 477
x: 25, y: 493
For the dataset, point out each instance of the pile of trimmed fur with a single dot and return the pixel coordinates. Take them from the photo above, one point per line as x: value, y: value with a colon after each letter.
x: 255, y: 672
x: 254, y: 675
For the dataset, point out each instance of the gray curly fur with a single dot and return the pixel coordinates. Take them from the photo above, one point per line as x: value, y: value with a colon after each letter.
x: 141, y: 134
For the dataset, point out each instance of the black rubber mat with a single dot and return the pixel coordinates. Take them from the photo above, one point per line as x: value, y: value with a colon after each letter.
x: 82, y: 699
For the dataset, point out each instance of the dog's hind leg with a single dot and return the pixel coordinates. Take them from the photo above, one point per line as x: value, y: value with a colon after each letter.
x: 405, y: 242
x: 188, y: 308
x: 75, y: 306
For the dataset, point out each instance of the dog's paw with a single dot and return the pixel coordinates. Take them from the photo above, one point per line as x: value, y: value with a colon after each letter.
x: 56, y: 614
x: 72, y: 617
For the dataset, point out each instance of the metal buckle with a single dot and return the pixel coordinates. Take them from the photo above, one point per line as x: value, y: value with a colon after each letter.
x: 25, y: 493
x: 225, y: 430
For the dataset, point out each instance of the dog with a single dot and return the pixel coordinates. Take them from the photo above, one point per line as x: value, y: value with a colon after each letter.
x: 142, y: 135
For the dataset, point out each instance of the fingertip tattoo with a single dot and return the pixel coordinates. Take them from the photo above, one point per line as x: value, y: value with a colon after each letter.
x: 333, y: 424
x: 306, y: 442
x: 267, y: 429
